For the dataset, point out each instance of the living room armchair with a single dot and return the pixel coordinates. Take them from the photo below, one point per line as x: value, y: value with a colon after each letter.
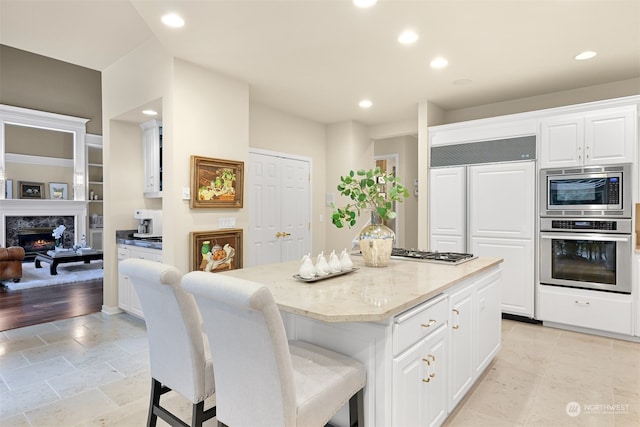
x: 11, y: 263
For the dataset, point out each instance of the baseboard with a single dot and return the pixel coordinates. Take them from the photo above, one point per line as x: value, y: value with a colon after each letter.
x: 517, y: 318
x: 110, y: 310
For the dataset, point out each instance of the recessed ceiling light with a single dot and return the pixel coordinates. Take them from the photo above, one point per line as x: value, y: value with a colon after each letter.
x: 364, y: 3
x: 149, y: 112
x: 588, y: 54
x: 408, y: 37
x: 365, y: 103
x: 173, y: 20
x: 438, y: 62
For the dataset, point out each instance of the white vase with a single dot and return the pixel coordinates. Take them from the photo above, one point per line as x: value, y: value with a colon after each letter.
x: 376, y: 242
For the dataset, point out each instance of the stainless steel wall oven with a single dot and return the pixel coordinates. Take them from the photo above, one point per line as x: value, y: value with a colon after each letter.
x: 586, y: 253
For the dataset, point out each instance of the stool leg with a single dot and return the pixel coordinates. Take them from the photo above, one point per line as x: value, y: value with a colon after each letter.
x: 154, y: 401
x: 356, y: 409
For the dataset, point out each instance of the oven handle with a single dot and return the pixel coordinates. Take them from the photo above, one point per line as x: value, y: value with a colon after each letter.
x: 586, y: 236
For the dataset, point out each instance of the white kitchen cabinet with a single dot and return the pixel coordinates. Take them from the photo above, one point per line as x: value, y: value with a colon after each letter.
x: 420, y: 376
x: 127, y: 297
x: 600, y: 137
x: 152, y: 158
x: 474, y: 333
x: 584, y: 308
x: 488, y: 320
x: 447, y: 209
x: 461, y: 334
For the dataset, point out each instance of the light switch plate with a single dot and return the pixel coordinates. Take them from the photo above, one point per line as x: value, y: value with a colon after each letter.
x: 227, y: 223
x: 186, y: 193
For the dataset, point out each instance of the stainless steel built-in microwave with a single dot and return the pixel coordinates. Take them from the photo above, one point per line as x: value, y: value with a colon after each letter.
x: 590, y: 191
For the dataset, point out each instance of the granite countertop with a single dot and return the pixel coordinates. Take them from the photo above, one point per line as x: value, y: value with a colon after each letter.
x: 125, y: 237
x: 365, y: 295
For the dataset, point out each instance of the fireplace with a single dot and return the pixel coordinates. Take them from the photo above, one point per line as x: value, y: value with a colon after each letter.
x: 34, y: 233
x: 35, y: 241
x: 18, y: 214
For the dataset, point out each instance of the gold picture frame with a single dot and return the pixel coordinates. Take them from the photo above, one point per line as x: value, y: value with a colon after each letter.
x: 216, y: 183
x: 215, y: 251
x: 31, y: 190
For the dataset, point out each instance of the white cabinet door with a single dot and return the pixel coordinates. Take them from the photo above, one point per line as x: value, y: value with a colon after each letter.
x: 609, y: 136
x: 488, y: 320
x: 447, y: 209
x: 561, y: 141
x: 605, y: 136
x: 517, y: 292
x: 462, y: 331
x: 502, y: 224
x: 436, y: 346
x: 409, y: 369
x: 279, y: 218
x: 501, y: 200
x: 420, y: 382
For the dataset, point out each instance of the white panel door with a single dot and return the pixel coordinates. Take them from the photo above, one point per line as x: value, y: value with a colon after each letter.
x: 447, y: 209
x: 279, y: 203
x: 263, y: 199
x: 294, y: 213
x: 517, y: 290
x: 501, y: 200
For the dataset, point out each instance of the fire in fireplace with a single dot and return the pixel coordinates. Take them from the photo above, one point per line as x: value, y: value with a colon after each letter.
x: 35, y: 241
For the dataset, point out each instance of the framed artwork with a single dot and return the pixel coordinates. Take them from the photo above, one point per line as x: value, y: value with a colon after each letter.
x: 8, y: 186
x: 215, y: 251
x: 216, y: 183
x: 58, y: 190
x: 31, y: 190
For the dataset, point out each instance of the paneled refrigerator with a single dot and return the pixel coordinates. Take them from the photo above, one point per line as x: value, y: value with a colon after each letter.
x: 489, y: 210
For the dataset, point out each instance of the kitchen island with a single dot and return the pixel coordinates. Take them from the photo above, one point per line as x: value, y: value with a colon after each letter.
x: 424, y: 331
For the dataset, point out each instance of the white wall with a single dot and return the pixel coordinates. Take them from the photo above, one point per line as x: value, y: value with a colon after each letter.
x: 273, y: 130
x: 211, y: 119
x: 348, y: 148
x: 137, y: 78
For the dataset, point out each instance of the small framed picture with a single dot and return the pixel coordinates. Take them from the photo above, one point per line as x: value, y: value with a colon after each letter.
x: 58, y: 190
x: 214, y: 251
x: 8, y: 186
x: 31, y: 190
x: 216, y: 183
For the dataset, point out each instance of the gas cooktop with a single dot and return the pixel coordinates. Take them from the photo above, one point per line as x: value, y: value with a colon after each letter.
x: 454, y: 258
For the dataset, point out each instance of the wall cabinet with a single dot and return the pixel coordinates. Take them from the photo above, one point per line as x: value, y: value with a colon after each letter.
x: 127, y: 297
x: 600, y: 137
x: 152, y: 158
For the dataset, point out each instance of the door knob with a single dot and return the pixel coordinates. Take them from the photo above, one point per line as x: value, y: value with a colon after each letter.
x: 282, y: 234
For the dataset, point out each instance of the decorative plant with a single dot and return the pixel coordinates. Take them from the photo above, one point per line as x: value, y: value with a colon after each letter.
x: 57, y: 234
x: 372, y: 189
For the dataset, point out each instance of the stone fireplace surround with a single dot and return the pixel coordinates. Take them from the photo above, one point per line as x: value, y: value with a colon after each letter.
x: 16, y: 214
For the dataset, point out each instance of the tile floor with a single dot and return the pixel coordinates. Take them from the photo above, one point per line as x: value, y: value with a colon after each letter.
x: 93, y: 371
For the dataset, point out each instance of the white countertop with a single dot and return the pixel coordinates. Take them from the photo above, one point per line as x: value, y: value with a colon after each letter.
x: 368, y: 294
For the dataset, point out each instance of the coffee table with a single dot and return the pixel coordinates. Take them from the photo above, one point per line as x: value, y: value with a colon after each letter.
x: 55, y: 260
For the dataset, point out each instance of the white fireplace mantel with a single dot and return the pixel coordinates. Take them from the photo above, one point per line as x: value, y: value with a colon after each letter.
x: 22, y: 208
